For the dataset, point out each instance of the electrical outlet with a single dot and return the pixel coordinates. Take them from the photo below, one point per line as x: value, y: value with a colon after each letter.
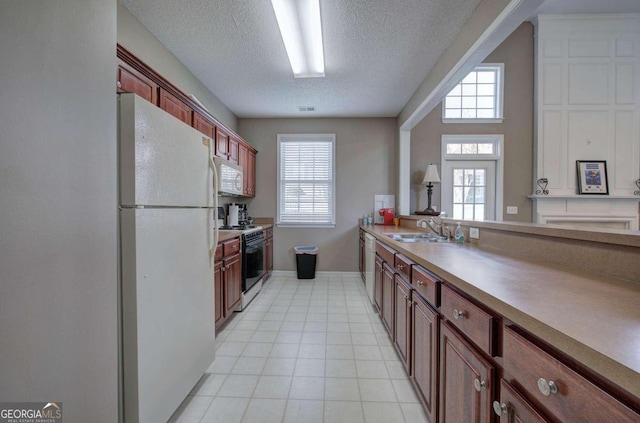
x: 474, y: 233
x: 512, y: 209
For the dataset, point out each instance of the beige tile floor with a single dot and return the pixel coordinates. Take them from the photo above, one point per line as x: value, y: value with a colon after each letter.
x: 304, y: 351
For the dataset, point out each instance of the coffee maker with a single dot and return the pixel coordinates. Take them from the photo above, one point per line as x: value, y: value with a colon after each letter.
x: 243, y: 215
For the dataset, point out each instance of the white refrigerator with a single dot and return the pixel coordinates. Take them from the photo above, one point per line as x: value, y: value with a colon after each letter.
x: 167, y: 241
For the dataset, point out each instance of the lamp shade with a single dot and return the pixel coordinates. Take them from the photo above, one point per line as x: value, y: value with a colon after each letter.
x: 431, y: 175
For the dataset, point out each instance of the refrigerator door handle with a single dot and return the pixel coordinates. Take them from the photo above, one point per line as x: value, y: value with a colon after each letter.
x: 213, y: 224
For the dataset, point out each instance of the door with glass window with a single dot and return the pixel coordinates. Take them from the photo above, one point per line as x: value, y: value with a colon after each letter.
x: 469, y: 189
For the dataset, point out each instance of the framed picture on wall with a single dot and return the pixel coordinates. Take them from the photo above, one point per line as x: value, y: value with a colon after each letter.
x: 592, y: 177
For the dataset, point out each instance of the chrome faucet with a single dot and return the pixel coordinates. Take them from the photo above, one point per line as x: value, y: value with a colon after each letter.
x: 434, y: 226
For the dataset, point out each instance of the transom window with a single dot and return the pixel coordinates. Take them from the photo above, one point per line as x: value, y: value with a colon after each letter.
x: 478, y: 97
x: 306, y: 180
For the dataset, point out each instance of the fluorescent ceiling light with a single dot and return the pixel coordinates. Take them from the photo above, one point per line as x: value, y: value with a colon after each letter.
x: 299, y: 22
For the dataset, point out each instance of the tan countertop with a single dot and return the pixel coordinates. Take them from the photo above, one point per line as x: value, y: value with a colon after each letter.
x: 226, y: 235
x: 594, y: 319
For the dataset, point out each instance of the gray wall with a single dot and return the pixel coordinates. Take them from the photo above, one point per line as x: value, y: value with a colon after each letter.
x: 517, y: 53
x: 138, y: 40
x: 365, y: 166
x: 58, y: 266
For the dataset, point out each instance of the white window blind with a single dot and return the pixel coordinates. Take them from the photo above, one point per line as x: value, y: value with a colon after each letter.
x: 306, y: 180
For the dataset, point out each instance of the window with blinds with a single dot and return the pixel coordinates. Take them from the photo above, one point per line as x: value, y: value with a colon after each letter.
x: 306, y: 180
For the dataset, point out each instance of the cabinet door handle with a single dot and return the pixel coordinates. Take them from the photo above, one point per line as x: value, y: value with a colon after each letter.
x: 500, y: 409
x: 547, y: 388
x: 480, y: 385
x: 118, y: 84
x: 458, y: 314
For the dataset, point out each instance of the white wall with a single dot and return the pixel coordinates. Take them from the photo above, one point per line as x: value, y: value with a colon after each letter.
x: 138, y: 40
x: 365, y: 166
x: 58, y: 261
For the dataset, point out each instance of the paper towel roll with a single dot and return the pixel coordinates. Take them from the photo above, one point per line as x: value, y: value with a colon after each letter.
x: 232, y: 220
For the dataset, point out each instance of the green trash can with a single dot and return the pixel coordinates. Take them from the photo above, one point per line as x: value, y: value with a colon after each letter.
x: 306, y: 261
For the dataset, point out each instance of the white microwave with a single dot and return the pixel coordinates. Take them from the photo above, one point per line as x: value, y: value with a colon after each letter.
x: 229, y: 177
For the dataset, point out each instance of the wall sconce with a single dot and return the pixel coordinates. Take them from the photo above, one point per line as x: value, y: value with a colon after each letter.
x: 542, y: 183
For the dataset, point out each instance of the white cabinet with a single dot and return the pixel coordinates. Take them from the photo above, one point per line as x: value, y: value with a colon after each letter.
x: 588, y: 108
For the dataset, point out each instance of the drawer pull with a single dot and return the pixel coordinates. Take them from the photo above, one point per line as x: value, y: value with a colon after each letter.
x: 458, y: 314
x: 400, y: 267
x: 480, y: 385
x: 500, y: 409
x: 420, y: 283
x: 547, y: 388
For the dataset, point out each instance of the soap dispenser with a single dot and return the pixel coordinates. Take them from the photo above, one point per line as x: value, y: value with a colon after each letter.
x: 459, y: 235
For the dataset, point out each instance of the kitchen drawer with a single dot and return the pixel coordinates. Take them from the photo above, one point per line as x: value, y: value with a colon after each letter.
x: 553, y: 386
x: 477, y: 324
x: 218, y: 255
x: 230, y: 247
x: 387, y: 254
x: 513, y: 408
x: 268, y: 233
x: 403, y: 266
x: 426, y: 284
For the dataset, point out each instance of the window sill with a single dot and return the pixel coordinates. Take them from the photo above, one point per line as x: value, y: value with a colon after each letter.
x: 306, y: 225
x: 493, y: 120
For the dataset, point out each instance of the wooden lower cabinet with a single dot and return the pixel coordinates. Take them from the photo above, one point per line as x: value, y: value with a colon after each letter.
x: 378, y: 288
x: 558, y: 389
x: 424, y: 355
x: 218, y: 298
x: 233, y: 283
x: 402, y: 320
x: 361, y: 256
x: 268, y: 252
x: 513, y: 408
x: 466, y: 380
x: 388, y: 299
x: 227, y: 280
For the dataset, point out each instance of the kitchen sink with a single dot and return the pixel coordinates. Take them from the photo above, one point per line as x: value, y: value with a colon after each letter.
x: 416, y: 237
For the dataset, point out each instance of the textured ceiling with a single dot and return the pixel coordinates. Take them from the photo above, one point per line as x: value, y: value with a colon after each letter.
x: 377, y: 52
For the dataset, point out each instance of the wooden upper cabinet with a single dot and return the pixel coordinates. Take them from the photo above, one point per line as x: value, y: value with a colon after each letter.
x: 131, y: 81
x: 251, y: 174
x: 233, y: 147
x: 222, y: 143
x: 247, y: 159
x: 203, y: 125
x: 175, y: 107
